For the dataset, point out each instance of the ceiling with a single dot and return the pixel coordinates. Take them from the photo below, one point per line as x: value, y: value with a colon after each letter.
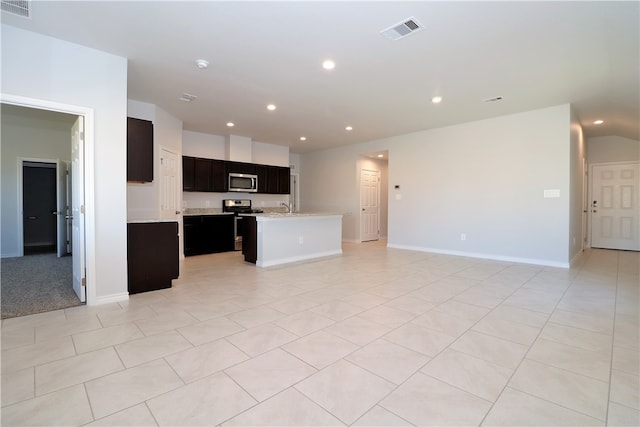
x: 533, y: 54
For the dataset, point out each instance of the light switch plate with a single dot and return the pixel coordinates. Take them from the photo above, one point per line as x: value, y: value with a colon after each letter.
x: 551, y: 194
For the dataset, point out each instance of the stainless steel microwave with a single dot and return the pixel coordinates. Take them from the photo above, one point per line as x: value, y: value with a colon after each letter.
x: 243, y: 182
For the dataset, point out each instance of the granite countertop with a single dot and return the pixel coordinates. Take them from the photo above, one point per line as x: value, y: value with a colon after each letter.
x: 147, y: 221
x: 205, y: 211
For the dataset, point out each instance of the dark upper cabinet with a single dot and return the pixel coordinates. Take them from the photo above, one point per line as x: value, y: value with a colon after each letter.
x: 188, y: 173
x: 219, y: 177
x: 272, y: 179
x: 202, y: 174
x: 278, y: 180
x: 261, y: 171
x: 210, y: 175
x: 240, y: 167
x: 284, y: 180
x: 139, y: 150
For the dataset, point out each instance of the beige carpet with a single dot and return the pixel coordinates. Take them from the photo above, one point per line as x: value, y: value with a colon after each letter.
x: 36, y: 283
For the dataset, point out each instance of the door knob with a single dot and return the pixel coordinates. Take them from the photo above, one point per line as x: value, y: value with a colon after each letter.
x: 594, y: 211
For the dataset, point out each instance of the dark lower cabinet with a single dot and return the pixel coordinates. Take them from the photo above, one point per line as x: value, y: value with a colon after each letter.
x: 152, y: 257
x: 250, y: 239
x: 208, y: 234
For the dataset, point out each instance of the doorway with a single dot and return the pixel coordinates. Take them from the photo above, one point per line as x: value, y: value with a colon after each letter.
x: 39, y: 207
x: 39, y: 127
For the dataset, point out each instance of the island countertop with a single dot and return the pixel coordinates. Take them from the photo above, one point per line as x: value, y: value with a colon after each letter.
x: 270, y: 216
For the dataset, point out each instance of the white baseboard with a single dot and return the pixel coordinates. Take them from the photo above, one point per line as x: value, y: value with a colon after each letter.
x: 534, y: 261
x: 290, y: 260
x: 108, y: 299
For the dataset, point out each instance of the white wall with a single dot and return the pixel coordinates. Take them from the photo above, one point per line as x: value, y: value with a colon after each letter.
x: 604, y: 149
x: 44, y: 68
x: 27, y: 133
x: 143, y: 199
x: 485, y: 179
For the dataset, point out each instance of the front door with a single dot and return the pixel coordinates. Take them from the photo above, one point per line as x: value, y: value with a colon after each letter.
x: 615, y: 212
x: 369, y: 205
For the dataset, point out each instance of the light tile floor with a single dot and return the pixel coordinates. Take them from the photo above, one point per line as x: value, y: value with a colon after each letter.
x: 377, y: 336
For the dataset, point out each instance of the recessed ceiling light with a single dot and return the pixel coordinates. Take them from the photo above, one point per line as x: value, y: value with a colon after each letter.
x: 380, y: 156
x: 436, y: 99
x: 303, y: 138
x: 230, y: 124
x: 187, y: 97
x: 348, y: 128
x: 328, y: 65
x: 598, y: 122
x: 202, y: 63
x: 271, y: 107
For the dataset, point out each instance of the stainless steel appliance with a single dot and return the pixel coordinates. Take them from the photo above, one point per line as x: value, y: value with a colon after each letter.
x: 243, y: 182
x: 238, y: 206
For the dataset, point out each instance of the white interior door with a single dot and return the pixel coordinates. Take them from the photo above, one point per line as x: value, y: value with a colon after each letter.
x: 62, y: 208
x: 169, y: 184
x: 369, y: 205
x: 77, y: 208
x: 615, y: 212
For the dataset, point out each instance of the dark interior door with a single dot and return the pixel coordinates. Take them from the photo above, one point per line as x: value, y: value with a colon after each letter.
x: 39, y: 207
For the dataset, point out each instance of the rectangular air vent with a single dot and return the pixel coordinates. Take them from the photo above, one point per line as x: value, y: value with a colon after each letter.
x: 17, y: 7
x: 402, y: 29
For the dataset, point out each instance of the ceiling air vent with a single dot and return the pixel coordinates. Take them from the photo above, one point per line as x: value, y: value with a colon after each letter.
x: 402, y: 29
x: 494, y: 99
x: 17, y: 7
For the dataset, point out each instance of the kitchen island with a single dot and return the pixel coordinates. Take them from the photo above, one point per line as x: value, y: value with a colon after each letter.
x: 282, y: 238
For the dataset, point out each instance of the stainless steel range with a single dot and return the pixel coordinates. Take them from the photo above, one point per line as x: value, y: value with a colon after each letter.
x: 238, y: 206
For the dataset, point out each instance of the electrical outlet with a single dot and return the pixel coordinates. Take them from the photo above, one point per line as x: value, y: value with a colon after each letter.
x: 463, y: 236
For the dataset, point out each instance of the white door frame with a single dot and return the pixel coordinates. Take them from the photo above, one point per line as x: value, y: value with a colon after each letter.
x: 21, y: 162
x: 88, y: 178
x: 294, y: 191
x: 590, y: 191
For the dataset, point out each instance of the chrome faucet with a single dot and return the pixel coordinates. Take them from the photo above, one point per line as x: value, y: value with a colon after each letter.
x: 286, y: 206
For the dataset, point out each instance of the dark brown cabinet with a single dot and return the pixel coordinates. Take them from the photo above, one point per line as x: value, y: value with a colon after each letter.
x: 139, y: 150
x: 250, y: 239
x: 219, y: 178
x: 188, y: 173
x: 211, y: 175
x: 152, y: 256
x: 277, y: 180
x: 202, y: 174
x: 240, y: 167
x: 208, y: 234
